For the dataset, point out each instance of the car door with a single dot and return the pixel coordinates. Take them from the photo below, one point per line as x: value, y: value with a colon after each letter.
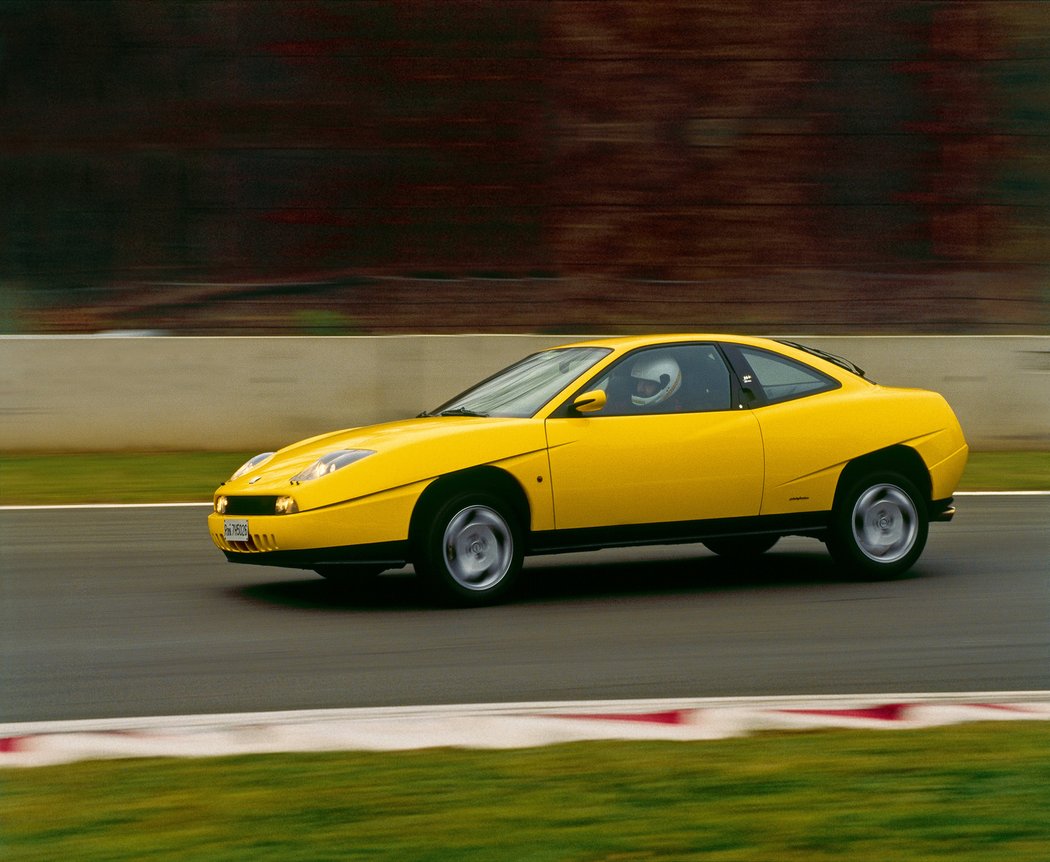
x: 691, y: 455
x: 809, y: 428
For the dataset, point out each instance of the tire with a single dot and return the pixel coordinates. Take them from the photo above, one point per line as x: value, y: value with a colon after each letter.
x: 470, y: 550
x: 741, y: 547
x: 879, y: 527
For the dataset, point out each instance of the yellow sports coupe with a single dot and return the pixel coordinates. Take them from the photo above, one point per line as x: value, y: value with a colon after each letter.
x: 720, y: 439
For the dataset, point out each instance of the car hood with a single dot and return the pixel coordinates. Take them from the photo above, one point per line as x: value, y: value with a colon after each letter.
x: 406, y: 452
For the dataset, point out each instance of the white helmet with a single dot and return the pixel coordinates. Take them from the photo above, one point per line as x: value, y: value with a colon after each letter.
x: 662, y: 375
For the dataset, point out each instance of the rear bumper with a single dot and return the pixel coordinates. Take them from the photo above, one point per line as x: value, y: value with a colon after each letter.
x: 942, y: 510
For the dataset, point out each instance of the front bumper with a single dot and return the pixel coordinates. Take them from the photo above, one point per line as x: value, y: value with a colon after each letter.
x: 372, y: 530
x: 388, y: 555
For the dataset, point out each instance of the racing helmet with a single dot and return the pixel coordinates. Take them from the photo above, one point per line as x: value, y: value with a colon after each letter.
x: 661, y: 373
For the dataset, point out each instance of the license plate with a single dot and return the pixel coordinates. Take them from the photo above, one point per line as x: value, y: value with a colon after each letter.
x: 235, y: 531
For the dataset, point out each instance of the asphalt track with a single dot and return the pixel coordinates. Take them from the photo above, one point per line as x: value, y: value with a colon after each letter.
x: 132, y: 612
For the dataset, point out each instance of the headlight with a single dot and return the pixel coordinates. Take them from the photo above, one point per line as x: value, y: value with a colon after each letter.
x: 285, y: 506
x: 251, y: 464
x: 330, y: 463
x: 222, y: 503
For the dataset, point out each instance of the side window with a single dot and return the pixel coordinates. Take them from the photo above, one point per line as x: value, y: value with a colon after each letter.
x: 683, y: 378
x: 782, y: 378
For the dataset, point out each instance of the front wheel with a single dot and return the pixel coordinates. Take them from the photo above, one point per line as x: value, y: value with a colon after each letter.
x: 879, y: 527
x: 470, y: 551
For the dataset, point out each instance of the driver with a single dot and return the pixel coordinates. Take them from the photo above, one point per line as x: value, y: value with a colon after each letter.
x: 655, y: 379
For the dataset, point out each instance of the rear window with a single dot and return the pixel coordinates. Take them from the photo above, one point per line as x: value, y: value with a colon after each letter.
x: 833, y: 358
x: 781, y: 378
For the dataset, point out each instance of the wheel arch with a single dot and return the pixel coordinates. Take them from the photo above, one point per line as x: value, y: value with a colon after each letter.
x: 488, y: 479
x: 893, y: 459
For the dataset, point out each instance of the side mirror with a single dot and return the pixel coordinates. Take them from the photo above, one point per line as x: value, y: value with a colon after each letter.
x: 589, y: 402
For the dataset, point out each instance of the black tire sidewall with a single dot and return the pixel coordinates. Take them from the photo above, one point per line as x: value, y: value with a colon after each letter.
x: 843, y: 545
x: 430, y: 555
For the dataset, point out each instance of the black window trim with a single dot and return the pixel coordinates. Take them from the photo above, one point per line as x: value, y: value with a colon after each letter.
x: 757, y: 398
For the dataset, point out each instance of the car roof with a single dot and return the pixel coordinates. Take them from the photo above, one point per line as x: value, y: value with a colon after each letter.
x: 840, y: 369
x: 629, y: 342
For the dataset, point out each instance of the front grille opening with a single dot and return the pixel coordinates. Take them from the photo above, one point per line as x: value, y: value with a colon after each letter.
x: 261, y: 505
x: 257, y: 543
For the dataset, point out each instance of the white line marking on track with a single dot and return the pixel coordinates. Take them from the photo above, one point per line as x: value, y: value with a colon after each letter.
x: 208, y: 505
x: 1002, y: 493
x: 103, y: 506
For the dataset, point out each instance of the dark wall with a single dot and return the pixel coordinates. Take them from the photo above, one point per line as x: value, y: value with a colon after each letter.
x: 586, y: 149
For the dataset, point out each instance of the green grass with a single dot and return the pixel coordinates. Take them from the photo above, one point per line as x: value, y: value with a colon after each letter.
x: 167, y: 477
x: 1007, y: 471
x: 963, y: 793
x: 193, y: 476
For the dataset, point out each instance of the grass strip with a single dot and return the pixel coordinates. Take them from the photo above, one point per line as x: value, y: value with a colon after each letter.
x: 159, y: 477
x: 967, y: 793
x: 1007, y: 471
x: 171, y: 477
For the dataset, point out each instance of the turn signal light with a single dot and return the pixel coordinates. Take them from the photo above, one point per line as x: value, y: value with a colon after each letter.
x: 286, y: 506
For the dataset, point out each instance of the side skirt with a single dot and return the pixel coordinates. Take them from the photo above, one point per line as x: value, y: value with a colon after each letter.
x: 396, y: 554
x: 678, y: 532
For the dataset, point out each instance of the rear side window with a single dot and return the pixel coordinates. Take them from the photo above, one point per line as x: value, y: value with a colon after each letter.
x: 781, y: 378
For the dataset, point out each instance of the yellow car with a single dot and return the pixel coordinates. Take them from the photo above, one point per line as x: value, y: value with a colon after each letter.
x: 720, y: 439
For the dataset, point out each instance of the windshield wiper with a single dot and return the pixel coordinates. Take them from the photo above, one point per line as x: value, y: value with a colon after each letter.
x: 461, y: 411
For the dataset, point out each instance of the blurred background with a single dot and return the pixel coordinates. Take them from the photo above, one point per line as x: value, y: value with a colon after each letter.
x: 307, y: 167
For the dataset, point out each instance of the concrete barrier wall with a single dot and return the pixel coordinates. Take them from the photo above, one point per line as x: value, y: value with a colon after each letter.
x: 145, y: 394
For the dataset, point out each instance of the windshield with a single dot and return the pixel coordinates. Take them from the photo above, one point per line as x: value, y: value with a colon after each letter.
x: 522, y: 389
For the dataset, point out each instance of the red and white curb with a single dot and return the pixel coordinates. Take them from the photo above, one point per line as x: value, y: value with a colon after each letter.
x: 517, y: 725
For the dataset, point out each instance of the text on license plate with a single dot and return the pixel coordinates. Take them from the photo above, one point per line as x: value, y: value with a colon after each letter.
x: 235, y: 531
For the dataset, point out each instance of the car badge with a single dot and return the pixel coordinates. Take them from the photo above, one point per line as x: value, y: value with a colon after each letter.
x: 253, y: 480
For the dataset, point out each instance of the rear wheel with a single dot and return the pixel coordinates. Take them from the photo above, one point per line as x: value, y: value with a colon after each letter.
x: 741, y: 547
x: 879, y: 527
x: 470, y: 550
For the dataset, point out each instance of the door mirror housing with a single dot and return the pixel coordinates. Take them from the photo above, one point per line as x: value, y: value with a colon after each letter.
x: 589, y: 402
